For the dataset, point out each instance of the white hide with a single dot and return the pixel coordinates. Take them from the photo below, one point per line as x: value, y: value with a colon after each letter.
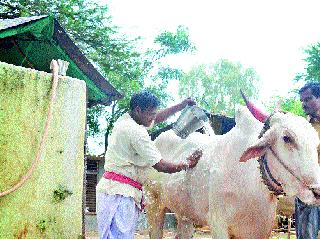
x: 221, y: 191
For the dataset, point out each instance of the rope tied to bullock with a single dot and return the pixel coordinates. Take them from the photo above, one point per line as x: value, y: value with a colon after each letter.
x: 272, y: 184
x: 265, y: 172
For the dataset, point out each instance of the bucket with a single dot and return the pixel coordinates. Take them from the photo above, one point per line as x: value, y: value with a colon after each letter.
x: 191, y: 119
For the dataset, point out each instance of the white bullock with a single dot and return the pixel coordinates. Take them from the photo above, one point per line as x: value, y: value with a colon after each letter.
x: 228, y: 195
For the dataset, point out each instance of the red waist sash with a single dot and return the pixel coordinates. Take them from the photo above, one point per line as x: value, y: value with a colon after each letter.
x: 125, y: 180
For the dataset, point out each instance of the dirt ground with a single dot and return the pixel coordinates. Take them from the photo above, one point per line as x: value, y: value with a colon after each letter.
x: 199, y: 235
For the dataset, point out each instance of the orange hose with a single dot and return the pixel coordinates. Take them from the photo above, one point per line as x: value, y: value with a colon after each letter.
x: 54, y: 66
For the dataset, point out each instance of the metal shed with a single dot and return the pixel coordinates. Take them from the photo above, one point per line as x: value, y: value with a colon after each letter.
x: 32, y: 42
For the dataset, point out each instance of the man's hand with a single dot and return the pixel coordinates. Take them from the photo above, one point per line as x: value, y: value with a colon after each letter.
x: 188, y: 101
x: 165, y: 113
x: 194, y: 158
x: 168, y: 167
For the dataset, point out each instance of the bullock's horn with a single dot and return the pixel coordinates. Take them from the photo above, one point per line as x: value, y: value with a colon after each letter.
x: 257, y: 113
x: 278, y: 106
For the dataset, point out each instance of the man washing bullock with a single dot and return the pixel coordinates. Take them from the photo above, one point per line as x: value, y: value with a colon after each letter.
x: 227, y: 182
x: 229, y: 190
x: 130, y: 152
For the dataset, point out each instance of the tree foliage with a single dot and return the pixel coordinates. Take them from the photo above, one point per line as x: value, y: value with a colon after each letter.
x: 217, y: 86
x: 312, y: 69
x: 91, y: 28
x: 291, y: 104
x: 114, y: 54
x: 311, y: 74
x: 173, y: 43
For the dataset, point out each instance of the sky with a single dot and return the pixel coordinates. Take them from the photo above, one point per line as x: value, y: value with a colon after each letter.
x: 268, y: 36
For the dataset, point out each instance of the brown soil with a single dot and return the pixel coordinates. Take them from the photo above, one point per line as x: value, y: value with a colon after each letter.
x: 200, y: 234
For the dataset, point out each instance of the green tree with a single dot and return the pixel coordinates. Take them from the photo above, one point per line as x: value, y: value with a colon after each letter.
x: 311, y: 73
x: 291, y: 104
x: 217, y: 86
x: 91, y: 28
x: 173, y: 43
x: 168, y: 43
x: 312, y: 69
x: 115, y: 55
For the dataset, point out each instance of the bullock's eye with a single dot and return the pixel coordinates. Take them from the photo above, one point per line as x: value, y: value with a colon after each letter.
x: 287, y: 139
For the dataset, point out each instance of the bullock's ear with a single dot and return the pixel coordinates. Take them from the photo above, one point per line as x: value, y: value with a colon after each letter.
x: 253, y: 152
x: 259, y: 148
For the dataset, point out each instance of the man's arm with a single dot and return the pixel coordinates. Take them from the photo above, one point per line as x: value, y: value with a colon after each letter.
x: 167, y: 167
x: 166, y: 113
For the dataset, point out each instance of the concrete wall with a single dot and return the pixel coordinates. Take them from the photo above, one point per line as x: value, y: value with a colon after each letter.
x: 32, y: 211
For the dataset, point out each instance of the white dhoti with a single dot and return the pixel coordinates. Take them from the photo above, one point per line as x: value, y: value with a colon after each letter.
x: 117, y: 216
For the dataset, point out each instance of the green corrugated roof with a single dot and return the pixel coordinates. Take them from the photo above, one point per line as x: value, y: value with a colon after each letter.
x: 34, y: 41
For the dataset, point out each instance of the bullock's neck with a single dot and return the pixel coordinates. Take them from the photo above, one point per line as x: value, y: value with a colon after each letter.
x: 257, y: 184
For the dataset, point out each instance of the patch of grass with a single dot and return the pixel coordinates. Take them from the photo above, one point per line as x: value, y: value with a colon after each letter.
x: 60, y: 194
x: 42, y: 226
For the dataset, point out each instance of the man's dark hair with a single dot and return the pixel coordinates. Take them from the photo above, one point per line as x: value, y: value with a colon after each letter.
x: 314, y: 87
x: 144, y: 100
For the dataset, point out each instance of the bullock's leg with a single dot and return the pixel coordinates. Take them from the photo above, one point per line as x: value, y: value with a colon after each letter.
x: 219, y: 231
x: 218, y: 223
x: 155, y: 215
x: 258, y: 227
x: 185, y: 228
